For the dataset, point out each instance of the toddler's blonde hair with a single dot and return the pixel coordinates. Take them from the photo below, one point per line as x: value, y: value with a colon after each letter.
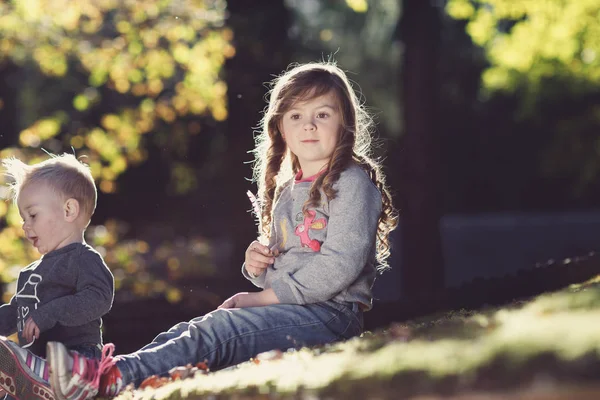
x: 65, y: 174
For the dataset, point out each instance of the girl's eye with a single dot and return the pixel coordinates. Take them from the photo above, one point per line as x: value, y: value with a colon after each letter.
x: 322, y: 115
x: 295, y: 116
x: 32, y: 216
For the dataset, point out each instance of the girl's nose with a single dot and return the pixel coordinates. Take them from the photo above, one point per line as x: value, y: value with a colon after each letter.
x: 309, y: 126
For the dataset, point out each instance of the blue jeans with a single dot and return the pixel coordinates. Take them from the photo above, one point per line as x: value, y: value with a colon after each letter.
x: 224, y: 338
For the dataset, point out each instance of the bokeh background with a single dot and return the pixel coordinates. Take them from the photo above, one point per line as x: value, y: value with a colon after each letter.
x: 488, y: 122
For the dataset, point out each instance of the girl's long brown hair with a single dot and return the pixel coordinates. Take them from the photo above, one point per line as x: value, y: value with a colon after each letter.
x: 272, y: 168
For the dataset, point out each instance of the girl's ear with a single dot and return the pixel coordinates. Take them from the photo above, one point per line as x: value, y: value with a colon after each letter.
x: 71, y: 210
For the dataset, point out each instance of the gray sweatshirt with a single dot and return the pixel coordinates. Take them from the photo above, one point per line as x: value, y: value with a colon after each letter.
x: 66, y: 292
x: 330, y: 253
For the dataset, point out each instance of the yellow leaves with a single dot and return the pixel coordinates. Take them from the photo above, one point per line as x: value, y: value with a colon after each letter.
x: 81, y: 102
x: 77, y: 141
x: 359, y: 6
x: 219, y: 112
x: 155, y: 86
x: 47, y: 128
x: 42, y: 130
x: 28, y: 138
x: 482, y: 28
x: 528, y: 40
x: 173, y: 295
x: 181, y: 53
x: 31, y: 10
x: 150, y: 38
x: 98, y: 77
x: 123, y: 26
x: 50, y: 60
x: 111, y: 121
x: 460, y: 9
x: 122, y: 85
x: 135, y: 48
x: 165, y: 112
x: 180, y: 32
x: 158, y: 64
x: 118, y: 165
x: 135, y: 76
x: 495, y: 78
x: 157, y: 61
x: 147, y: 106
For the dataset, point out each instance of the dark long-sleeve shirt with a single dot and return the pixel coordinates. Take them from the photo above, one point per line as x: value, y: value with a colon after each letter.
x: 66, y: 292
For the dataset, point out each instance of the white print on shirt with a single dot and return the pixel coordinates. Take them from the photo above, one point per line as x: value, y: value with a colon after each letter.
x: 29, y: 291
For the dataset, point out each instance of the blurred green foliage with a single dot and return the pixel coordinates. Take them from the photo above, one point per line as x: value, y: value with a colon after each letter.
x: 119, y: 70
x: 547, y: 53
x: 528, y: 42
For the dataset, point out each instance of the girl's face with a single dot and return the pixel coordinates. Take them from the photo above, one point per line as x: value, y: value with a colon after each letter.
x: 311, y: 130
x: 44, y: 219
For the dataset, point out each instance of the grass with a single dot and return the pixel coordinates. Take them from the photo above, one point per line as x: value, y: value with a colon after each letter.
x: 548, y: 343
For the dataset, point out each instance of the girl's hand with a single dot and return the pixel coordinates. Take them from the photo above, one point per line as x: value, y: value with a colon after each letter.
x: 258, y: 257
x: 31, y: 330
x: 238, y: 300
x: 255, y: 299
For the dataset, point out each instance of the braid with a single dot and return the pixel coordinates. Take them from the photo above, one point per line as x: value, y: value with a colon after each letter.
x: 388, y: 219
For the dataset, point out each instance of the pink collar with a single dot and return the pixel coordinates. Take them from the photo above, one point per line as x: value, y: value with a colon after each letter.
x: 298, y: 178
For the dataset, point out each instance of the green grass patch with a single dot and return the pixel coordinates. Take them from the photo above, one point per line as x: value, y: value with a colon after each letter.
x: 555, y: 336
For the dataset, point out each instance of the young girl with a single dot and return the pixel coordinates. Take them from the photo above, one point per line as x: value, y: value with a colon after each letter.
x: 324, y: 219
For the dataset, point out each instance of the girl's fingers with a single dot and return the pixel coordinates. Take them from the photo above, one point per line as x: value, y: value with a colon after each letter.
x: 260, y: 248
x: 260, y: 267
x: 262, y: 259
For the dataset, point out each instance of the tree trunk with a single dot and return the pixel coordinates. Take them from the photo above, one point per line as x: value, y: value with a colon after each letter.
x: 9, y: 76
x: 260, y: 30
x: 422, y: 269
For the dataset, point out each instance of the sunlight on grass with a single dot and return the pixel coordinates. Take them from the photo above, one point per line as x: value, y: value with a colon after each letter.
x: 565, y: 324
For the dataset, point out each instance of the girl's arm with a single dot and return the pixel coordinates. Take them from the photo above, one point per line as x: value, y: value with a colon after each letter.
x: 245, y: 299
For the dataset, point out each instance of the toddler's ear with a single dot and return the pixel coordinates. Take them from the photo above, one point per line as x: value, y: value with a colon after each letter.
x: 71, y: 209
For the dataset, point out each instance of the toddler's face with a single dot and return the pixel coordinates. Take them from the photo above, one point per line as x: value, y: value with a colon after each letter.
x: 43, y: 215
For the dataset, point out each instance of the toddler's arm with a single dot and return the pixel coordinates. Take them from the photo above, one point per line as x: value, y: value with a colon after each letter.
x: 93, y: 297
x: 8, y: 318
